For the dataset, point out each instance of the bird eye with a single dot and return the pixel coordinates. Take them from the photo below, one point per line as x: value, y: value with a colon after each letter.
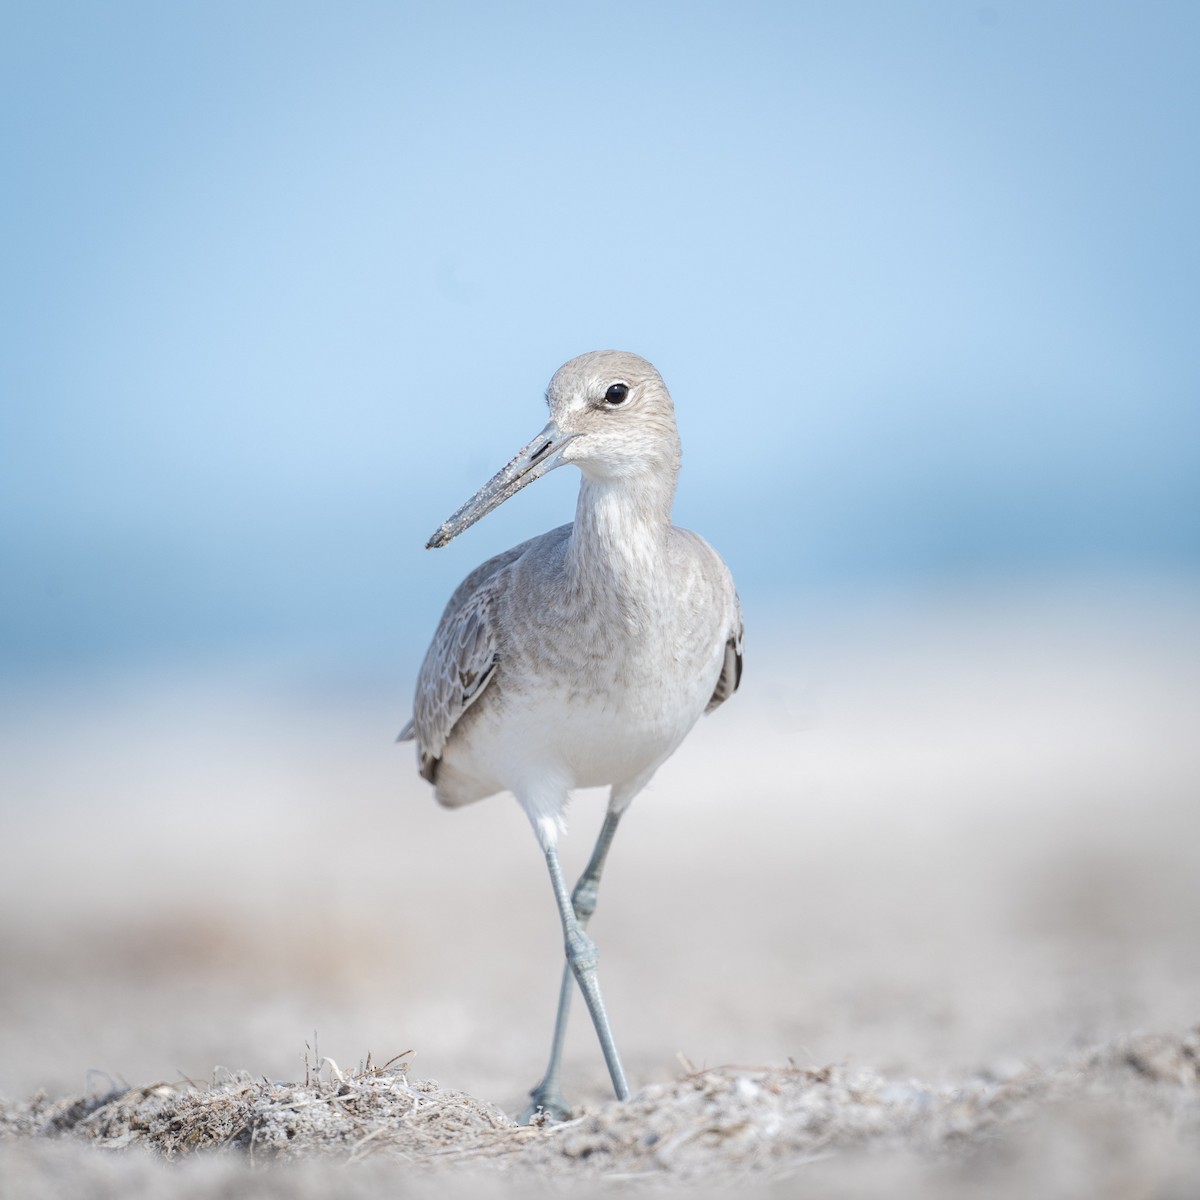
x: 616, y: 394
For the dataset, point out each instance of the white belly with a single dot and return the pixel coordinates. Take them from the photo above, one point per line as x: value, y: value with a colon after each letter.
x: 539, y: 738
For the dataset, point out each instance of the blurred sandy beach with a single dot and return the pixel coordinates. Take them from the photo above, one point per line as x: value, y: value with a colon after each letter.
x: 939, y: 836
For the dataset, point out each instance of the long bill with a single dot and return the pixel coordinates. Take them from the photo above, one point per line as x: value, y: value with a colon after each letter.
x: 533, y: 461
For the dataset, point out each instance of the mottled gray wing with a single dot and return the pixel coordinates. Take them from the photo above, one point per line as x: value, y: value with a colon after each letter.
x: 459, y: 664
x: 731, y: 670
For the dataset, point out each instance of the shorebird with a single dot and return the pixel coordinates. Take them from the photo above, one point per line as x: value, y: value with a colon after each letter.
x: 582, y: 657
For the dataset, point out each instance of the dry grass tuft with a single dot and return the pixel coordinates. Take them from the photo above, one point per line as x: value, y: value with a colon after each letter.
x: 341, y: 1114
x: 719, y: 1126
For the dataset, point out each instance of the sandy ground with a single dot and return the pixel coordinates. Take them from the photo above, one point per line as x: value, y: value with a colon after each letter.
x: 934, y: 850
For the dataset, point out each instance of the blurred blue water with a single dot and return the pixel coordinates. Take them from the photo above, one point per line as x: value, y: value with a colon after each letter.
x: 283, y: 283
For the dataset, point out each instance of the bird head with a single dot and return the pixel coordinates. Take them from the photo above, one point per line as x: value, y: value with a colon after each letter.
x: 610, y: 415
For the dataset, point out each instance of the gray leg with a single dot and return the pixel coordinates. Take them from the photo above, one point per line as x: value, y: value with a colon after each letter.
x: 547, y: 1096
x: 581, y: 963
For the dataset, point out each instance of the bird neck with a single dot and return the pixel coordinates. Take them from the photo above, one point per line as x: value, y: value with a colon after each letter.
x: 619, y: 539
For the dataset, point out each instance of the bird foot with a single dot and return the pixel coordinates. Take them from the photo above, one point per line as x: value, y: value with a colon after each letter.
x: 545, y: 1104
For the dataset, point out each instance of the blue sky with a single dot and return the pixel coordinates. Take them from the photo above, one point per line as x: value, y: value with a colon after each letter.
x: 283, y: 283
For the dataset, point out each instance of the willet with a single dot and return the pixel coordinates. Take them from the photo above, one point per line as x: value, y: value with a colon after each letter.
x: 582, y: 657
